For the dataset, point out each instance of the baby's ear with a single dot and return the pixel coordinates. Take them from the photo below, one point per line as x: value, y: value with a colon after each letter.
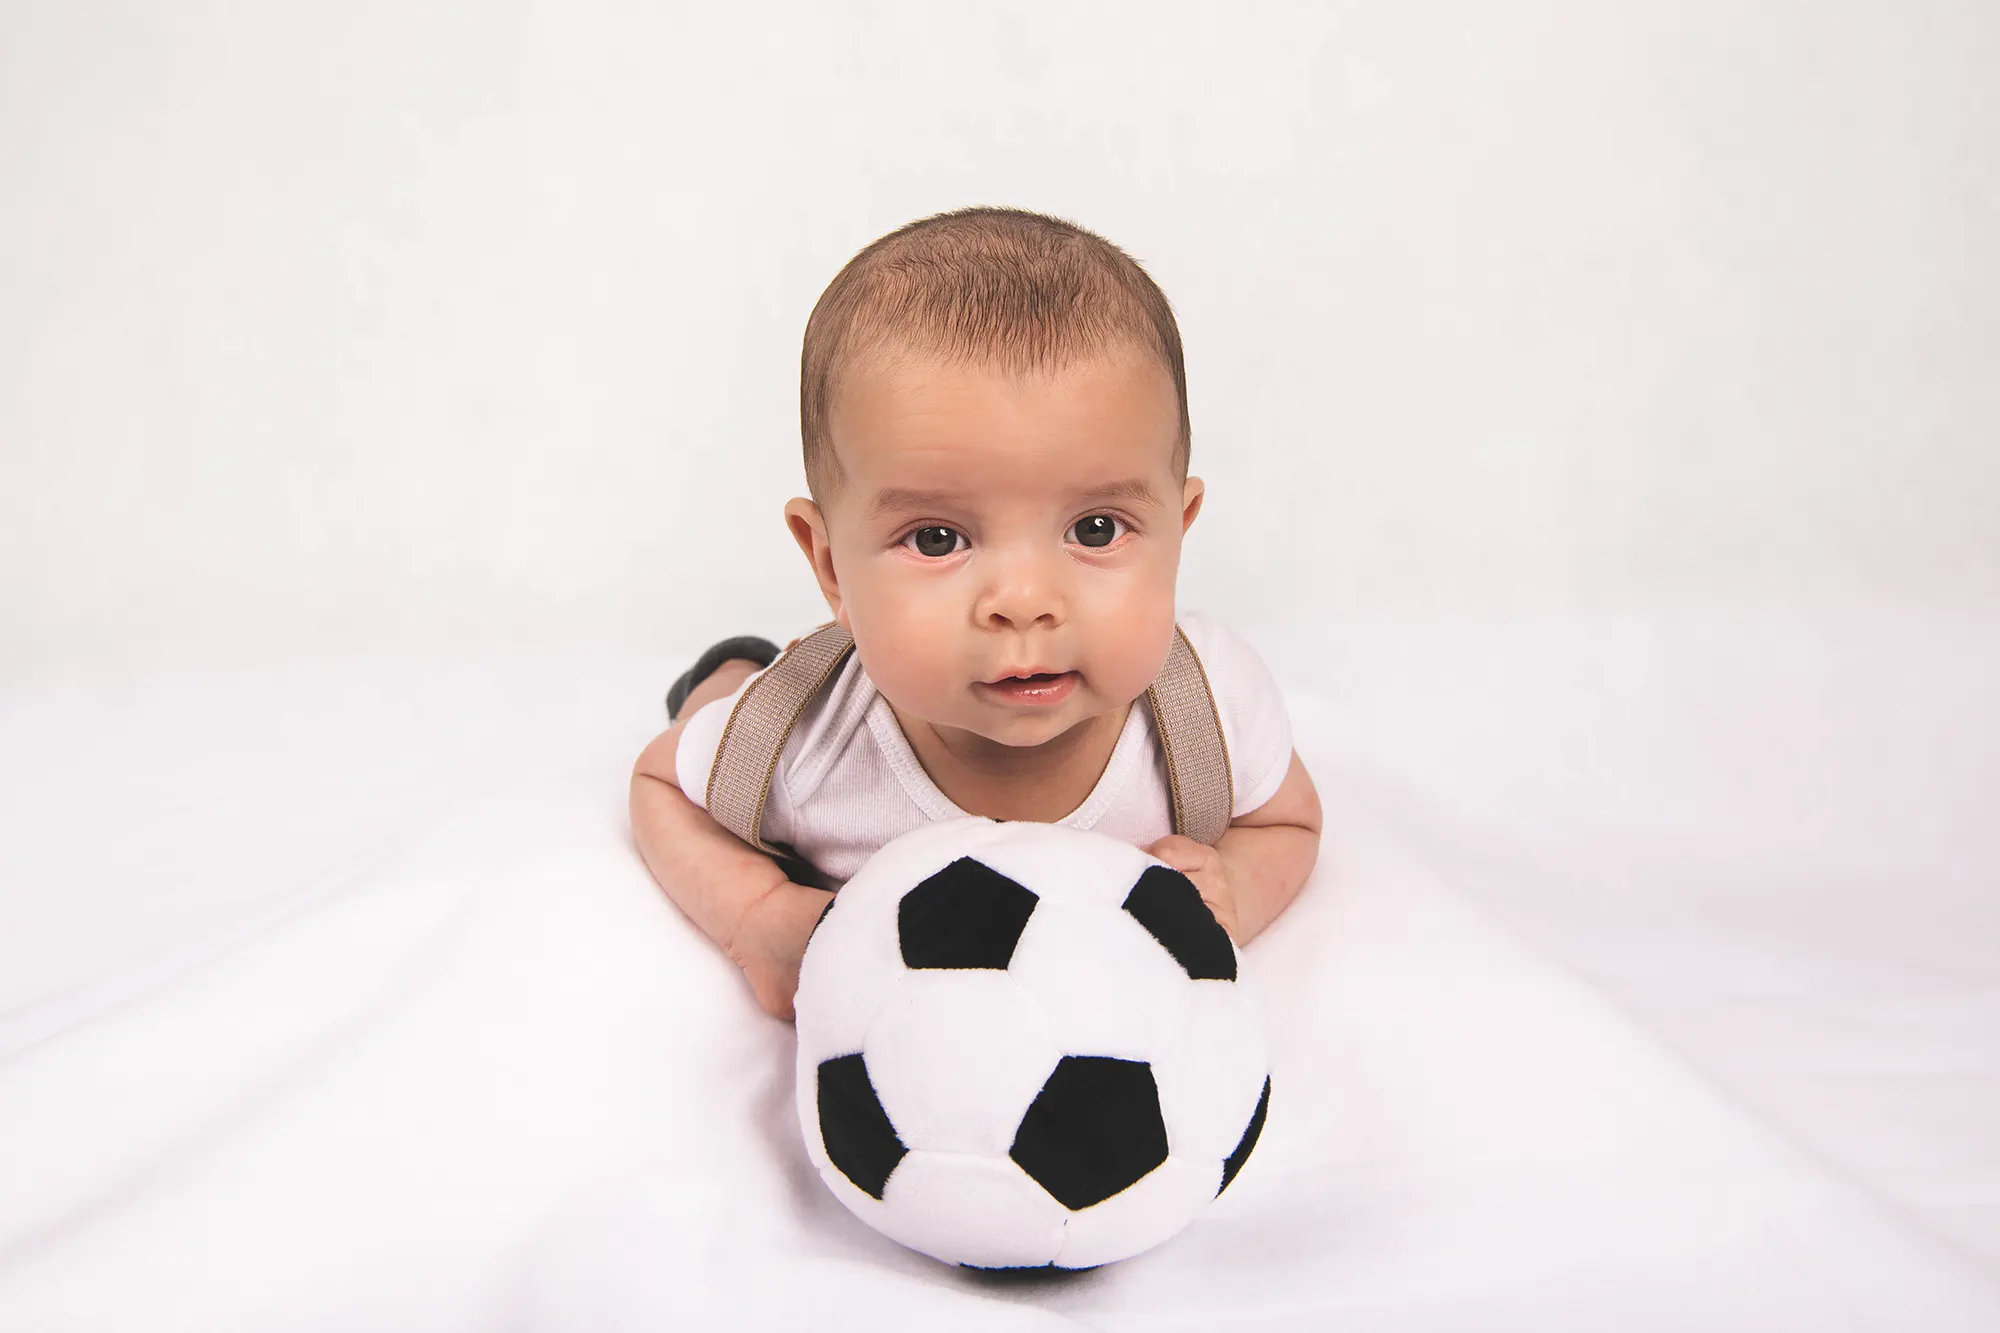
x: 808, y: 528
x: 1192, y: 491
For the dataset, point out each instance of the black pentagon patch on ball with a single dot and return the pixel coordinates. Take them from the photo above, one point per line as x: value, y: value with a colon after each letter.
x: 1169, y: 906
x: 1094, y: 1129
x: 1234, y: 1162
x: 966, y: 915
x: 859, y: 1138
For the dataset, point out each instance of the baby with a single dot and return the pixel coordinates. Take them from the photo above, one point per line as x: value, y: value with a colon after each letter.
x: 995, y: 418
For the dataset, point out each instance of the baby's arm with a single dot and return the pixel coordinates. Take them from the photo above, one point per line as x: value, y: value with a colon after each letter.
x: 1260, y: 863
x: 737, y: 895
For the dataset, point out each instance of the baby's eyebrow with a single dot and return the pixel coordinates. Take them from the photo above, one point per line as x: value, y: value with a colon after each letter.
x: 898, y: 499
x: 1135, y: 489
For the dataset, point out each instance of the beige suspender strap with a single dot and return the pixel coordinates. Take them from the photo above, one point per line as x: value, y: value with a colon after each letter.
x: 1198, y: 778
x: 758, y: 726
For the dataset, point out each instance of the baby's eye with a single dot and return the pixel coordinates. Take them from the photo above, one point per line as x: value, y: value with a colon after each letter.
x: 1097, y: 530
x: 934, y: 542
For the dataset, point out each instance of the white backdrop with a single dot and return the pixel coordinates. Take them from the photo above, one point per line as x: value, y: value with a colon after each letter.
x: 333, y: 322
x: 1598, y: 403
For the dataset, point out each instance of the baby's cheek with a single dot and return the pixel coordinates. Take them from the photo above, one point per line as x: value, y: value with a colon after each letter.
x: 906, y: 655
x: 1130, y: 637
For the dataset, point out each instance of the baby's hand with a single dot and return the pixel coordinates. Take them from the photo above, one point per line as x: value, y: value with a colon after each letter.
x: 1203, y: 864
x: 771, y: 939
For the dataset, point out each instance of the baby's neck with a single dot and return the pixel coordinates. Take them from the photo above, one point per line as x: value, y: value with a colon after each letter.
x: 1043, y: 782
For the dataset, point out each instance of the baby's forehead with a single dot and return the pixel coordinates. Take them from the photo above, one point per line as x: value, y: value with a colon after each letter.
x: 1106, y: 424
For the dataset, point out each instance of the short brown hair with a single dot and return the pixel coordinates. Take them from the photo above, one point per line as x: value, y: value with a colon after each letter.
x: 994, y: 286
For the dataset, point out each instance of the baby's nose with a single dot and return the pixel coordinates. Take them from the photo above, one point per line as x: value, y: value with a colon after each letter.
x: 1024, y: 591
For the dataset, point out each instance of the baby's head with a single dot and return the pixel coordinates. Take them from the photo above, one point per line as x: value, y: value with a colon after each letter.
x: 996, y: 439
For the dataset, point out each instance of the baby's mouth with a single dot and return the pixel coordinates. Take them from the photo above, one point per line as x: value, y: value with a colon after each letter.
x: 1037, y: 688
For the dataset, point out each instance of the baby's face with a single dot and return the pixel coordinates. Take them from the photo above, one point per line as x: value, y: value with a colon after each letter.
x: 989, y: 527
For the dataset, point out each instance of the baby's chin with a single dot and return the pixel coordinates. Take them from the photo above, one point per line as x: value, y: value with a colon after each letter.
x: 1028, y: 734
x: 1030, y: 730
x: 1025, y: 730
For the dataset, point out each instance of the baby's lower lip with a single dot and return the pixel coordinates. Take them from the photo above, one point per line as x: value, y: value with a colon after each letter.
x: 1036, y: 691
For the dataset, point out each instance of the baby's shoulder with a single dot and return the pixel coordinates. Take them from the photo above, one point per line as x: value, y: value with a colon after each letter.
x: 1223, y: 652
x: 1256, y: 724
x: 830, y: 724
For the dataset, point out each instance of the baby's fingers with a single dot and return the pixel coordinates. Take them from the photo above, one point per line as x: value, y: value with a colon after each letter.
x: 1181, y: 853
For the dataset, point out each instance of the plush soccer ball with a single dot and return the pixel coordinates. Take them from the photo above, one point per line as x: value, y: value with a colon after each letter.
x: 1021, y: 1045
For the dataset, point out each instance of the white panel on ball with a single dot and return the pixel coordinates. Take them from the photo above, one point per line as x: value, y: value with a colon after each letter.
x: 973, y: 1210
x: 1211, y: 1071
x: 956, y: 1056
x: 1107, y: 986
x: 849, y: 971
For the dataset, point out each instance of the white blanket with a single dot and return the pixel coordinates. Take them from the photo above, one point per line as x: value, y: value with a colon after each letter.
x: 366, y: 1015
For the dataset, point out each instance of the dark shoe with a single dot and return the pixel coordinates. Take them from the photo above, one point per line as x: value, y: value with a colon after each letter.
x: 761, y: 651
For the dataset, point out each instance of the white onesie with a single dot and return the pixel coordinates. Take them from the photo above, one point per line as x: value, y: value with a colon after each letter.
x: 847, y: 781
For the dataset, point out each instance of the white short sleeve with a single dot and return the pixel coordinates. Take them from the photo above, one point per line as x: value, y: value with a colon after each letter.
x: 694, y: 755
x: 1256, y: 726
